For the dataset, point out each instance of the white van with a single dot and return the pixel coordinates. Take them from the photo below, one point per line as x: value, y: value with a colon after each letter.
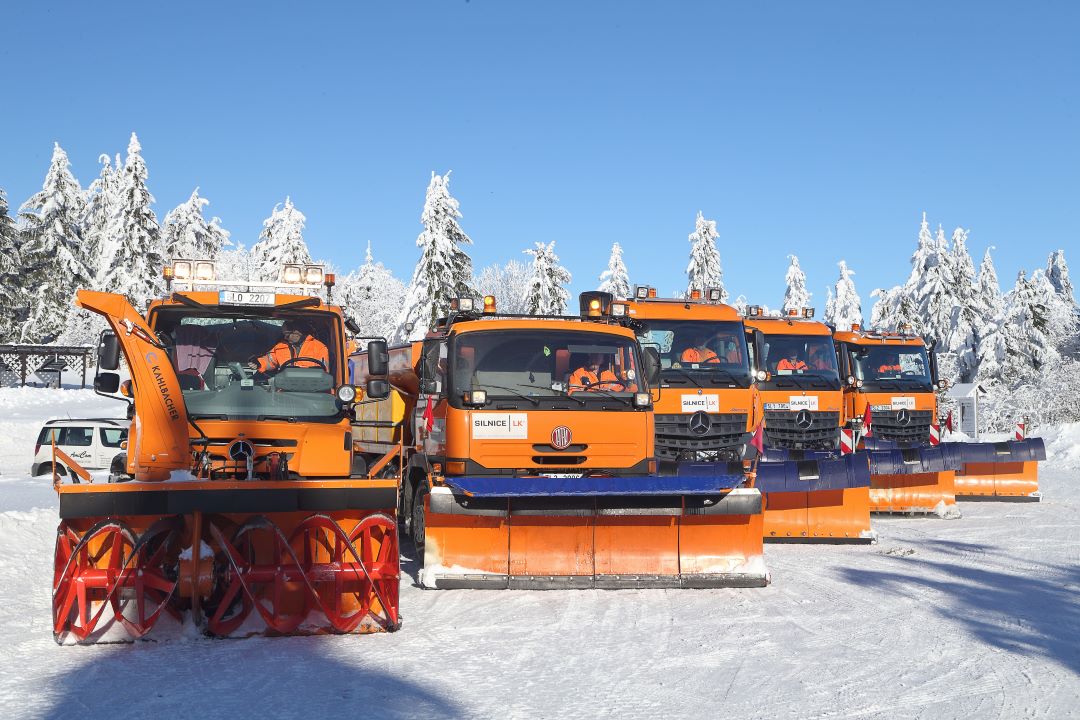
x: 91, y: 443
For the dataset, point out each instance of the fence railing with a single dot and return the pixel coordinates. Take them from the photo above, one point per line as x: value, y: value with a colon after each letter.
x: 19, y: 363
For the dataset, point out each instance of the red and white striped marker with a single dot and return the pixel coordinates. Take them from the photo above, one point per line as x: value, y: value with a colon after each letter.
x: 1021, y: 430
x: 847, y: 441
x: 935, y: 434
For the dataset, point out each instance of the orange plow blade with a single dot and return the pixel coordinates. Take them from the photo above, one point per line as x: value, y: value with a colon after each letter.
x: 825, y: 500
x: 913, y: 481
x: 1000, y: 471
x: 604, y: 541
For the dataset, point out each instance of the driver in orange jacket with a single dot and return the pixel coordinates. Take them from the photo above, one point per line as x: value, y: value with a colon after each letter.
x: 296, y: 342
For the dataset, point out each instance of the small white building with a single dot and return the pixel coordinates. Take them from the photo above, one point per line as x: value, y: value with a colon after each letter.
x: 966, y: 396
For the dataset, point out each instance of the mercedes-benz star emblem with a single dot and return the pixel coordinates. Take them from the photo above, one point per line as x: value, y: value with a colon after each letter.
x: 241, y: 450
x: 903, y: 417
x: 560, y: 437
x: 700, y: 423
x: 804, y: 420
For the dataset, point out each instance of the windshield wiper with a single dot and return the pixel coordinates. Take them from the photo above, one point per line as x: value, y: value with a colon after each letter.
x: 523, y: 396
x: 286, y: 418
x: 685, y: 374
x: 302, y: 303
x: 590, y: 391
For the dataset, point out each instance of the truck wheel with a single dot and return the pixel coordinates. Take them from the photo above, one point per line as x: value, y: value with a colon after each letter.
x: 417, y: 518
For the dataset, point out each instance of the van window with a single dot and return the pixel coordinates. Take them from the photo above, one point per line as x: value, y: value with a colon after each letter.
x: 112, y: 437
x: 76, y: 436
x: 47, y: 435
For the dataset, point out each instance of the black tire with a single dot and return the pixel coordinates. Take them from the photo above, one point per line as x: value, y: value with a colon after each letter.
x: 418, y: 523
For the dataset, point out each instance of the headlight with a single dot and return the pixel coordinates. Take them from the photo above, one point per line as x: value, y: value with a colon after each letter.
x: 642, y: 399
x: 313, y: 275
x: 476, y: 397
x: 760, y: 375
x: 346, y: 393
x: 858, y: 383
x: 204, y: 271
x: 618, y: 310
x: 465, y: 304
x: 292, y: 274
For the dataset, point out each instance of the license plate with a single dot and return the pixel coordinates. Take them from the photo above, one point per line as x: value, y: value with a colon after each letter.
x: 561, y: 475
x: 234, y: 297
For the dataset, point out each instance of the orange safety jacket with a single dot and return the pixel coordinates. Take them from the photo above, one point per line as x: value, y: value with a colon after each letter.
x: 276, y: 356
x: 786, y: 364
x: 888, y: 368
x: 699, y: 355
x: 585, y: 379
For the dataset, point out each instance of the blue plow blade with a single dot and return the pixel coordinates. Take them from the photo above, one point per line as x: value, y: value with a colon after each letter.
x: 914, y: 460
x: 696, y: 481
x: 832, y: 473
x: 1011, y: 451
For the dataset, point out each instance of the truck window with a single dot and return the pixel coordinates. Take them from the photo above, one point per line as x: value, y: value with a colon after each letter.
x: 906, y: 364
x: 258, y: 363
x: 700, y: 347
x: 521, y: 366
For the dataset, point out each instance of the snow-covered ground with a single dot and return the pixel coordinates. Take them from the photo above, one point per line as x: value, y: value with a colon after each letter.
x: 978, y: 617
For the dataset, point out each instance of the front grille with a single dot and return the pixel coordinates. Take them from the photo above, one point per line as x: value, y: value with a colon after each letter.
x: 782, y: 431
x: 675, y: 440
x: 885, y: 426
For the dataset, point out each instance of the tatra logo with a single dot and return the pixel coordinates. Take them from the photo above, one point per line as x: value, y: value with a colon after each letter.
x: 700, y: 423
x: 903, y: 417
x: 804, y: 420
x: 560, y: 437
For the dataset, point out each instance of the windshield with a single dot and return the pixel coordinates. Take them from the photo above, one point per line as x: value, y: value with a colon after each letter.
x: 247, y: 364
x: 535, y: 366
x: 698, y: 351
x: 801, y: 361
x: 891, y: 365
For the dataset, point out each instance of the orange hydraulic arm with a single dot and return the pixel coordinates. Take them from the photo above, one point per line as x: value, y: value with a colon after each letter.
x: 158, y: 441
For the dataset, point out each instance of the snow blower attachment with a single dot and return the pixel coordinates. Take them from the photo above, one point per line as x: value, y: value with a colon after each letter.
x: 239, y: 510
x: 531, y: 462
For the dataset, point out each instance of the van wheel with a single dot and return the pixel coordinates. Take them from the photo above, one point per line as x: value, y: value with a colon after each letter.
x: 417, y: 518
x: 60, y: 470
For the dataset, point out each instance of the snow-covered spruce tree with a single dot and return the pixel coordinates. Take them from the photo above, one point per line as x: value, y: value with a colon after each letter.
x: 1024, y: 329
x: 921, y: 301
x: 547, y: 293
x: 990, y: 314
x: 934, y: 292
x: 188, y: 235
x: 101, y: 220
x: 13, y: 297
x: 1057, y: 273
x: 962, y: 340
x: 846, y: 307
x: 508, y: 283
x: 616, y: 279
x: 372, y: 296
x: 53, y: 261
x: 796, y: 295
x: 444, y: 270
x: 830, y: 304
x: 704, y: 269
x: 1060, y: 314
x: 281, y: 242
x: 135, y: 268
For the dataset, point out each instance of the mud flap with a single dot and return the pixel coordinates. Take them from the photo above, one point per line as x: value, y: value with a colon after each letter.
x: 547, y: 533
x: 913, y: 481
x: 1001, y: 471
x: 825, y: 499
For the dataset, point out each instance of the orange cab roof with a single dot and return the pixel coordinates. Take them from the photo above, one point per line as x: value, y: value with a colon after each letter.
x: 673, y: 309
x: 788, y: 326
x: 866, y: 337
x: 539, y: 323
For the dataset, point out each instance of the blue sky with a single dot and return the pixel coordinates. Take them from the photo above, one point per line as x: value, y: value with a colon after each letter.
x: 820, y: 129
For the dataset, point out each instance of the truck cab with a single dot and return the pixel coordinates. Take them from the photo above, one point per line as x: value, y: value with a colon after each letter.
x: 892, y: 379
x: 800, y: 384
x: 707, y: 407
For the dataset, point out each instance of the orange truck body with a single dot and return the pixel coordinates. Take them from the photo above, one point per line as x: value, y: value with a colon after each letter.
x: 803, y: 414
x: 903, y: 407
x: 240, y: 509
x: 540, y: 486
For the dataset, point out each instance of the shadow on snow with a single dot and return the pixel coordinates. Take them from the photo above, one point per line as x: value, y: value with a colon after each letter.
x: 1032, y: 610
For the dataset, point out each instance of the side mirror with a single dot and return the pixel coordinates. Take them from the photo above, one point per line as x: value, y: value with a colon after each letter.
x: 431, y: 387
x: 377, y: 389
x: 378, y: 358
x: 107, y: 383
x: 651, y: 361
x: 108, y: 352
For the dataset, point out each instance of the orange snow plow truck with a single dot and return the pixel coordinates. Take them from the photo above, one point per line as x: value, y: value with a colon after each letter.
x: 239, y: 507
x: 804, y: 411
x: 529, y: 462
x: 890, y: 383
